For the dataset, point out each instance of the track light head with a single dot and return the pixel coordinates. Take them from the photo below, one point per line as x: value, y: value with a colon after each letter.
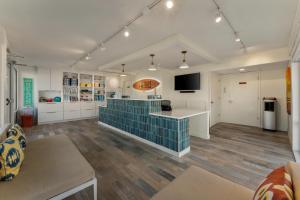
x: 126, y: 31
x: 87, y: 57
x: 218, y: 17
x: 102, y: 47
x: 169, y: 4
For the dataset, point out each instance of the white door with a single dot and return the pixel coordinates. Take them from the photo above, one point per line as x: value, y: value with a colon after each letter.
x: 240, y: 99
x: 215, y: 99
x: 7, y: 109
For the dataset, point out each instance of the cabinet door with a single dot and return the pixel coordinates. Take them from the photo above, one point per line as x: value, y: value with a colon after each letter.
x: 43, y: 79
x: 56, y: 79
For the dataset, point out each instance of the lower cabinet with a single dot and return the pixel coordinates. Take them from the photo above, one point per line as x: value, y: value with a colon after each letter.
x: 57, y: 112
x: 87, y: 113
x: 74, y: 114
x: 50, y: 112
x: 48, y: 117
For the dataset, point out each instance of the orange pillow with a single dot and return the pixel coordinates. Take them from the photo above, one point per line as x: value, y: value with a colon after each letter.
x: 277, y: 186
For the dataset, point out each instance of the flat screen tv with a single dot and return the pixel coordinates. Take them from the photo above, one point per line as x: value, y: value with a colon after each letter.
x: 187, y: 82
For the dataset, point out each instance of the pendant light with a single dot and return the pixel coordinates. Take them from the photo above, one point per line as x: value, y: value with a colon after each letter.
x: 184, y: 65
x: 152, y: 67
x: 123, y: 71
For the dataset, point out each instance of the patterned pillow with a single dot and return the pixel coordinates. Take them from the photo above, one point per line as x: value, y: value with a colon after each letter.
x: 11, y: 158
x: 277, y: 186
x: 17, y: 131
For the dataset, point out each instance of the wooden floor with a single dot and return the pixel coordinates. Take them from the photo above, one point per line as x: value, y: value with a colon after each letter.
x: 127, y: 169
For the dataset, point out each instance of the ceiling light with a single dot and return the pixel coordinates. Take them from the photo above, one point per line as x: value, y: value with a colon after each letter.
x: 126, y: 32
x: 242, y: 70
x: 87, y: 57
x: 123, y: 71
x: 169, y: 4
x: 152, y: 67
x: 218, y: 17
x: 184, y: 65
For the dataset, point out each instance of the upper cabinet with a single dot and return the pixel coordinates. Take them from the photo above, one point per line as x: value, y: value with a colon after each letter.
x: 56, y: 79
x: 43, y: 78
x: 49, y: 79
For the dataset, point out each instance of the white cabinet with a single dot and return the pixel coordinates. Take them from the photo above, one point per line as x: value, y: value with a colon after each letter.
x: 43, y: 79
x: 50, y: 112
x: 49, y: 79
x: 71, y: 110
x: 87, y: 109
x: 56, y: 78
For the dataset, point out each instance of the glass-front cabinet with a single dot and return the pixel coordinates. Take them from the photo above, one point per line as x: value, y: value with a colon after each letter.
x: 99, y: 88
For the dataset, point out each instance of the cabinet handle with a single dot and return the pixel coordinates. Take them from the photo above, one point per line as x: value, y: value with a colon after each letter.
x: 51, y: 112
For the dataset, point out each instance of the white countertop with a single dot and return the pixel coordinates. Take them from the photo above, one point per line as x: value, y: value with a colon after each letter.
x: 179, y: 113
x: 135, y: 99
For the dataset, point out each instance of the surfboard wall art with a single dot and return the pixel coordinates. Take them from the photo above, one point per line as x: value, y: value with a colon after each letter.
x: 146, y: 84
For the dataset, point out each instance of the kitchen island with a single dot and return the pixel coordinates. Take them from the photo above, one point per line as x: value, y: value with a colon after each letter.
x: 144, y: 121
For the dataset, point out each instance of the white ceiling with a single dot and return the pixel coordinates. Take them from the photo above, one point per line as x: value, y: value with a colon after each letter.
x: 255, y: 68
x: 54, y: 33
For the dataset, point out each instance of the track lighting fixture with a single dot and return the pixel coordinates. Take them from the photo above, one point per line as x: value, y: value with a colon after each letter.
x: 152, y: 66
x: 184, y: 65
x: 126, y: 31
x: 218, y: 17
x: 169, y: 4
x: 123, y: 71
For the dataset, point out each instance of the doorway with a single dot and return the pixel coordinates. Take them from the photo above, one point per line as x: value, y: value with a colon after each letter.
x: 240, y: 99
x: 11, y: 94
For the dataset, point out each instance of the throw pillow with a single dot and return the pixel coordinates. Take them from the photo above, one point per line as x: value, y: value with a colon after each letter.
x: 277, y: 186
x: 17, y: 131
x: 11, y: 158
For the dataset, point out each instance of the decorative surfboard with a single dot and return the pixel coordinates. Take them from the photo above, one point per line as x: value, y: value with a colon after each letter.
x: 146, y: 84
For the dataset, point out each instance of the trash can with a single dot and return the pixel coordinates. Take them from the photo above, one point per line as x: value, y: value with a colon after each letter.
x: 270, y: 105
x: 27, y: 116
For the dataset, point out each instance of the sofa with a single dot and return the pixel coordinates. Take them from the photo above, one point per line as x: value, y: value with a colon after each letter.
x: 53, y: 169
x: 196, y: 183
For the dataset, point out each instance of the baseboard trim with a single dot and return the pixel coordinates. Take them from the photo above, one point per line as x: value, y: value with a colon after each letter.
x: 164, y: 149
x: 297, y: 156
x: 66, y: 120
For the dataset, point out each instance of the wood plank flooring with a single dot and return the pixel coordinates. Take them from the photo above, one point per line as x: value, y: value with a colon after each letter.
x: 128, y: 169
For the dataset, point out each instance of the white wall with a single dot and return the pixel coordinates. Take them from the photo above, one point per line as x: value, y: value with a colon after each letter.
x: 199, y: 99
x: 3, y: 68
x: 271, y: 83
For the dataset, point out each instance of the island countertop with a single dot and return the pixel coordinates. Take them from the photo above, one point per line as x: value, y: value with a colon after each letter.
x: 179, y: 113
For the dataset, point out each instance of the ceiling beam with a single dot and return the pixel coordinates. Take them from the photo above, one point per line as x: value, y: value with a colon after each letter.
x: 160, y: 46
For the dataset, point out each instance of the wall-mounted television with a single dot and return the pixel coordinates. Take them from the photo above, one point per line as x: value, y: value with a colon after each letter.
x: 187, y: 82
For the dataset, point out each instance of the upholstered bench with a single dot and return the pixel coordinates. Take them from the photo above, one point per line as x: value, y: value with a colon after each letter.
x: 53, y: 169
x: 196, y: 183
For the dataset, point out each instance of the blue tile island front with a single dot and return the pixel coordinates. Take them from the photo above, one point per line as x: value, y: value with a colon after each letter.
x: 136, y: 118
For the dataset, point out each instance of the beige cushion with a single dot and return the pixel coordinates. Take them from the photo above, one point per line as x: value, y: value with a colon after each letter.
x: 294, y: 170
x: 196, y: 183
x: 51, y: 166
